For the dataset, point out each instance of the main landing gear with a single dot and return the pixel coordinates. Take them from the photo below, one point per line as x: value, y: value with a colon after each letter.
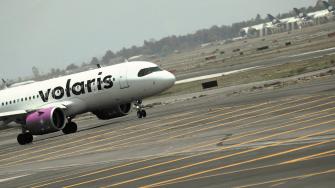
x: 25, y: 138
x: 141, y: 113
x: 70, y: 127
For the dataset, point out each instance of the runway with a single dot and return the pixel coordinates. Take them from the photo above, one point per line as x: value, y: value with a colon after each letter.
x: 270, y: 138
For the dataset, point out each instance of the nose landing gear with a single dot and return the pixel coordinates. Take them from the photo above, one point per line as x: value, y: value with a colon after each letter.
x: 141, y: 113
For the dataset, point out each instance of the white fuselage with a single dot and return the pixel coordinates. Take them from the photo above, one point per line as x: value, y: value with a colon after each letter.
x: 87, y: 91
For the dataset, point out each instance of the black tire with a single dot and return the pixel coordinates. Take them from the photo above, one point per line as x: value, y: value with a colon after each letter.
x: 139, y: 114
x: 144, y: 113
x: 25, y: 138
x: 70, y: 128
x: 29, y: 138
x: 74, y: 127
x: 21, y: 139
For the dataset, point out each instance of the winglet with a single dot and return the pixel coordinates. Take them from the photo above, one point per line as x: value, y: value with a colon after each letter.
x: 297, y: 12
x: 5, y: 83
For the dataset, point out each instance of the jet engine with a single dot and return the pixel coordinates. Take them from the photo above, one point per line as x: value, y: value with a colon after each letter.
x: 45, y: 121
x: 114, y: 112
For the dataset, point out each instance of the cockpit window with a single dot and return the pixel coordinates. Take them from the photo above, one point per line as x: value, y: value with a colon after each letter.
x: 147, y: 71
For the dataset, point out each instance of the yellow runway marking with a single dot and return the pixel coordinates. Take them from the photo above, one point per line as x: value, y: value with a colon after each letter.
x: 220, y: 125
x: 61, y: 179
x: 88, y: 143
x: 201, y: 125
x: 67, y: 143
x: 185, y: 150
x: 302, y: 116
x: 198, y: 144
x: 308, y: 158
x: 127, y: 143
x: 231, y: 155
x: 289, y: 178
x: 242, y: 135
x: 36, y: 151
x: 155, y: 157
x: 163, y: 172
x: 322, y: 156
x: 80, y: 140
x: 140, y: 135
x: 277, y: 184
x: 212, y: 127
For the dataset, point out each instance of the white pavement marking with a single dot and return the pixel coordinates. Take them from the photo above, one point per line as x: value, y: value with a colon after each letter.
x: 313, y: 52
x: 12, y: 178
x: 215, y: 75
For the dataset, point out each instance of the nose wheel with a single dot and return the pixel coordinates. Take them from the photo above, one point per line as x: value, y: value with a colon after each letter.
x: 141, y: 113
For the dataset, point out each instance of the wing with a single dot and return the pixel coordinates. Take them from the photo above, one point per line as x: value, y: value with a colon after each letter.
x: 19, y: 114
x: 5, y: 116
x: 63, y: 105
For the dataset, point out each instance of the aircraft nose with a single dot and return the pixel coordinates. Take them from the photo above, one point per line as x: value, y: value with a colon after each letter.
x: 169, y: 79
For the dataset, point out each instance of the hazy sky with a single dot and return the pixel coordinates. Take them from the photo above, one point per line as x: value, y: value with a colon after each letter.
x: 48, y: 34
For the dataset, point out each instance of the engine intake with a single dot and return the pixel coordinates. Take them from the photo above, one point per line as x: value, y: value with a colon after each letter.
x: 114, y: 112
x: 45, y: 121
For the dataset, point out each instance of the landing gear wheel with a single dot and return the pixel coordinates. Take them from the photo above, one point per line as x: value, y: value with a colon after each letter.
x: 144, y: 113
x: 70, y: 127
x: 25, y: 138
x: 141, y: 114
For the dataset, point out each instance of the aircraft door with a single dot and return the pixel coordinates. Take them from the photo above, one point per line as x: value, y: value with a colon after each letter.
x: 123, y: 79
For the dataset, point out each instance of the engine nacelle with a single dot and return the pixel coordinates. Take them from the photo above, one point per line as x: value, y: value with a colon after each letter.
x: 45, y: 121
x: 114, y: 112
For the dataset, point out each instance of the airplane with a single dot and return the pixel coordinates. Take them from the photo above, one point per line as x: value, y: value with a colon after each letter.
x: 301, y: 15
x: 329, y: 7
x: 275, y: 21
x: 327, y: 13
x: 49, y: 106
